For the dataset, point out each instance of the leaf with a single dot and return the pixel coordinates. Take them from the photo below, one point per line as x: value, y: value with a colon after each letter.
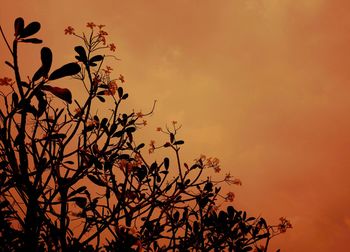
x: 130, y: 129
x: 66, y: 70
x: 172, y: 137
x: 125, y: 96
x: 120, y: 92
x: 25, y: 84
x: 82, y: 54
x: 140, y: 146
x: 176, y: 216
x: 75, y: 192
x: 38, y: 74
x: 62, y: 93
x: 9, y: 64
x: 19, y: 139
x: 96, y: 58
x: 104, y: 122
x: 42, y: 103
x: 141, y: 173
x: 30, y: 30
x: 96, y: 181
x: 80, y: 201
x: 46, y: 61
x: 179, y: 142
x: 166, y: 163
x: 102, y: 99
x: 19, y: 25
x: 32, y: 40
x: 55, y: 137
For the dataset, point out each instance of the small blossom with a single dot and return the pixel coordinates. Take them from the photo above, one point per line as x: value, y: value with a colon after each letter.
x: 6, y: 81
x: 112, y: 47
x: 102, y: 33
x: 213, y: 163
x: 152, y: 146
x: 102, y: 39
x: 229, y: 180
x: 139, y: 114
x: 230, y: 196
x: 138, y: 160
x: 100, y: 26
x: 69, y: 30
x: 112, y: 88
x: 284, y: 225
x: 237, y: 181
x: 144, y: 122
x: 159, y: 129
x: 90, y: 25
x: 174, y: 122
x: 108, y: 70
x: 121, y: 78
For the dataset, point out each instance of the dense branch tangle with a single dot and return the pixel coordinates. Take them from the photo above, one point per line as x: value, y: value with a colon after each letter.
x: 72, y: 181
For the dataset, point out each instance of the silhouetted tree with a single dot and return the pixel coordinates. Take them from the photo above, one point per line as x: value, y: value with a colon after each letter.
x: 71, y: 180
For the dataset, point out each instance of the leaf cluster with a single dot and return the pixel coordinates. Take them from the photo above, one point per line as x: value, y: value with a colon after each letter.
x: 73, y: 180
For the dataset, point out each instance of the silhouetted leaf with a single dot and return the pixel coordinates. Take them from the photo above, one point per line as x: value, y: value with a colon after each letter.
x: 208, y: 187
x: 9, y: 64
x: 140, y: 146
x: 32, y: 40
x: 96, y: 58
x: 80, y: 201
x: 19, y: 25
x: 166, y: 163
x: 77, y: 191
x: 179, y: 142
x: 56, y: 136
x: 42, y: 103
x: 104, y: 122
x: 46, y: 61
x: 130, y: 129
x: 38, y: 74
x: 30, y: 30
x: 82, y: 54
x: 25, y: 84
x: 96, y: 180
x: 101, y: 98
x: 230, y: 211
x: 62, y: 93
x: 141, y: 173
x: 120, y: 92
x: 66, y: 70
x: 113, y: 128
x: 176, y: 216
x: 19, y: 139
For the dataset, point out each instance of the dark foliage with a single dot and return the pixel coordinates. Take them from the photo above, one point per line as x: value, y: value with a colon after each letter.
x: 72, y: 181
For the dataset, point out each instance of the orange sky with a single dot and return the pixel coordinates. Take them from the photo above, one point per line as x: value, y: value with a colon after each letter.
x: 261, y: 84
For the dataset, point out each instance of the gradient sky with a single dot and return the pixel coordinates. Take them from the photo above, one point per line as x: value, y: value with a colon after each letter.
x: 261, y: 84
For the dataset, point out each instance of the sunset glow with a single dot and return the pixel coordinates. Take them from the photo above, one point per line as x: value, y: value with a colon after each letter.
x: 262, y: 85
